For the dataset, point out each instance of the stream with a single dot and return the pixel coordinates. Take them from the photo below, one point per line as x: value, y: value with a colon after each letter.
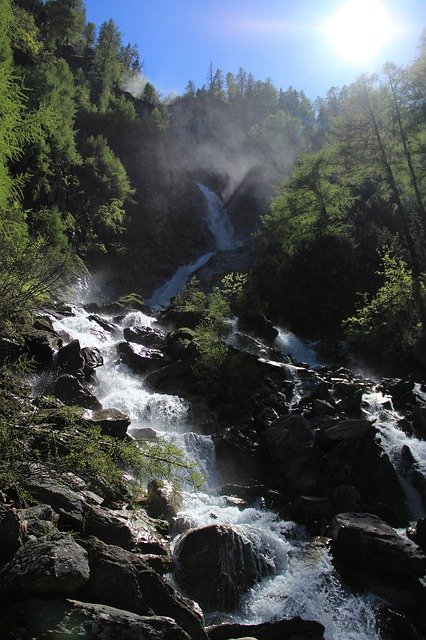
x: 304, y: 583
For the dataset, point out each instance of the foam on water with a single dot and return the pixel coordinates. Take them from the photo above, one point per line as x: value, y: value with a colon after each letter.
x: 305, y: 583
x: 300, y: 350
x: 309, y: 588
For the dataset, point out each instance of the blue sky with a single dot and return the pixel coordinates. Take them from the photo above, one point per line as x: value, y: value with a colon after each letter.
x: 280, y: 39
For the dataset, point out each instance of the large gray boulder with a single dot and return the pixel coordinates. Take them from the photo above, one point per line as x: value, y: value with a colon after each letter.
x: 111, y: 422
x: 51, y: 566
x: 374, y: 557
x: 290, y: 442
x: 11, y: 533
x: 70, y: 391
x: 147, y: 336
x: 73, y: 619
x: 362, y: 463
x: 122, y: 579
x: 139, y: 358
x: 291, y: 629
x: 216, y: 564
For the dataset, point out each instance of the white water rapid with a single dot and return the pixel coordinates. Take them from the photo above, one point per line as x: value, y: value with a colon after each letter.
x: 218, y: 222
x: 305, y: 583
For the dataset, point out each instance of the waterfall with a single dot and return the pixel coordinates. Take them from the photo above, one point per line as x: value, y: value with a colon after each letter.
x: 305, y: 583
x: 218, y: 222
x: 300, y: 350
x: 217, y: 219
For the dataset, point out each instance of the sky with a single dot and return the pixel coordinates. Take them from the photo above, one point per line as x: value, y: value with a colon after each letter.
x: 309, y: 44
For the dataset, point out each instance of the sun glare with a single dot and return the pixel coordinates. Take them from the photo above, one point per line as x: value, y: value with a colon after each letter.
x: 359, y: 29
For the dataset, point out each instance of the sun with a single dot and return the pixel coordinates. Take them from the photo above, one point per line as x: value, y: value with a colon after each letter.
x: 359, y: 29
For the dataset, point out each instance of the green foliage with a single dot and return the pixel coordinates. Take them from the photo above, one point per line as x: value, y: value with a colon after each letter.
x: 26, y: 436
x: 387, y: 323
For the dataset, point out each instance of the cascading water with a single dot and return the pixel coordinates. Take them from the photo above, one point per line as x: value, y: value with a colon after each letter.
x: 379, y: 409
x: 300, y: 350
x: 305, y: 582
x: 218, y: 222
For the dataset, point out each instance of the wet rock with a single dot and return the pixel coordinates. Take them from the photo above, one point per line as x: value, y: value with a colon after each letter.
x: 92, y: 357
x: 71, y: 392
x: 188, y: 319
x: 347, y: 498
x: 420, y: 533
x: 348, y: 430
x: 413, y: 472
x: 69, y: 504
x: 70, y: 358
x: 400, y: 390
x: 362, y: 463
x: 52, y: 566
x: 289, y: 442
x: 248, y: 493
x: 163, y: 500
x: 38, y: 521
x: 147, y: 336
x: 10, y: 349
x: 122, y: 579
x: 176, y: 378
x: 105, y: 324
x: 63, y: 619
x: 229, y: 560
x: 236, y: 454
x: 41, y: 345
x: 371, y: 555
x: 115, y: 528
x: 111, y: 422
x: 258, y: 324
x: 322, y: 408
x: 179, y: 344
x: 291, y: 629
x: 139, y: 358
x: 418, y: 420
x: 11, y: 533
x: 266, y: 417
x: 311, y: 509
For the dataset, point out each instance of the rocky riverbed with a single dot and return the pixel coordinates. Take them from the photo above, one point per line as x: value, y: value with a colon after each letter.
x: 338, y: 458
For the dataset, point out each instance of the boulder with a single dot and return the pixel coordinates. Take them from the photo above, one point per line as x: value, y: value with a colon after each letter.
x: 62, y: 619
x: 71, y: 392
x: 147, y: 336
x: 105, y: 324
x: 70, y: 358
x: 38, y: 521
x: 289, y: 441
x: 139, y: 358
x: 348, y: 430
x: 11, y: 533
x: 216, y: 564
x: 236, y: 454
x: 175, y: 378
x: 257, y: 323
x: 122, y: 579
x: 163, y: 500
x: 179, y: 344
x: 363, y: 463
x: 364, y: 539
x: 188, y: 319
x: 113, y: 527
x: 111, y: 422
x: 292, y: 629
x: 418, y: 420
x: 51, y: 566
x: 310, y: 510
x: 372, y: 556
x: 10, y: 349
x: 92, y: 357
x: 41, y: 345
